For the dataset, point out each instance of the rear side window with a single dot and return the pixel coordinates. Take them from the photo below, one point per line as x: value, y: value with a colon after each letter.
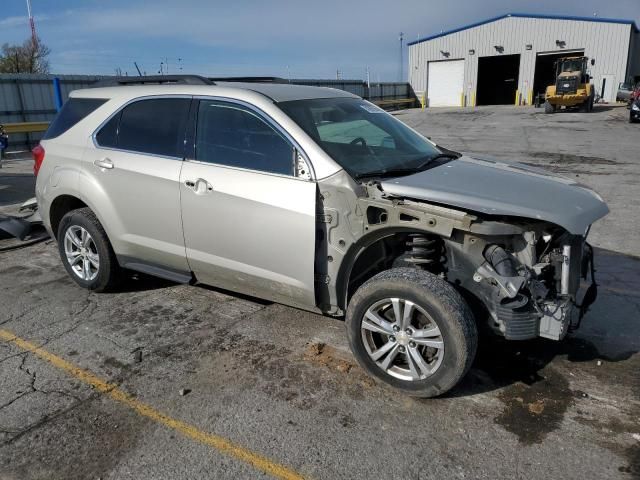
x: 154, y: 126
x: 74, y: 110
x: 230, y: 134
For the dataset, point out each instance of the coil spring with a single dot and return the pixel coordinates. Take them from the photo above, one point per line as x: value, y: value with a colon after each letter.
x: 422, y: 250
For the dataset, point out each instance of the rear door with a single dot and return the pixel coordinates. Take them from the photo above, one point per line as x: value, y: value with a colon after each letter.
x: 134, y: 174
x: 249, y: 222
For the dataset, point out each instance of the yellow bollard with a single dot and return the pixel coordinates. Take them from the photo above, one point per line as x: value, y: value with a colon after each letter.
x: 530, y: 97
x: 473, y: 99
x: 462, y: 99
x: 517, y: 102
x: 424, y: 99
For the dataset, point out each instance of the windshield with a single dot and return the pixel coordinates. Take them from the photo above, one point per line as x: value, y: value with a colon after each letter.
x: 571, y: 66
x: 361, y: 137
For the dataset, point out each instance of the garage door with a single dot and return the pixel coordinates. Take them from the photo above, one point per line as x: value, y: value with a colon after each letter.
x: 445, y: 83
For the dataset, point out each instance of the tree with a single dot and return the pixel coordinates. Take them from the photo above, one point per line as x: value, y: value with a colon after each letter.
x: 30, y: 57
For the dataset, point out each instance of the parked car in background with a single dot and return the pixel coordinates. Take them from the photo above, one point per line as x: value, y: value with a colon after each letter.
x: 634, y: 111
x: 624, y: 92
x: 316, y: 198
x: 635, y: 93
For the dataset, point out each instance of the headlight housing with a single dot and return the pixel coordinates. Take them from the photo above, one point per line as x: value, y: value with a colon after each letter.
x: 635, y: 107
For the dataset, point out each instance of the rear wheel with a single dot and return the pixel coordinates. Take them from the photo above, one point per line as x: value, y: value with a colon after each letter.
x: 86, y: 252
x: 412, y: 330
x: 548, y: 108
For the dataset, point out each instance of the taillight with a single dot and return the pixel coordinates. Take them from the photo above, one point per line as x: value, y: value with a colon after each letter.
x: 38, y: 157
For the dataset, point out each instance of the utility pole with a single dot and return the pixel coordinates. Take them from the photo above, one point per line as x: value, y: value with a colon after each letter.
x: 400, y: 71
x: 32, y: 24
x: 137, y: 68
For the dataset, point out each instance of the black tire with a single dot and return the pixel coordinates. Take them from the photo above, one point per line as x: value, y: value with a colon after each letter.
x: 548, y: 108
x: 109, y: 272
x: 587, y: 106
x: 442, y: 303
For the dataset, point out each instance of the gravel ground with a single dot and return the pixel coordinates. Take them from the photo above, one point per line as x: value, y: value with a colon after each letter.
x: 281, y: 383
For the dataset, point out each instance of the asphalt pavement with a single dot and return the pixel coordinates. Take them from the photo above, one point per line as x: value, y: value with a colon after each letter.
x: 170, y: 381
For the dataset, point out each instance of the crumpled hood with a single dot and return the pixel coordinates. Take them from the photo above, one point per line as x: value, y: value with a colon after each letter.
x: 495, y: 187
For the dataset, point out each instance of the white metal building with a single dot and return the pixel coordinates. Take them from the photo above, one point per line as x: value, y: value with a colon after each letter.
x: 510, y: 58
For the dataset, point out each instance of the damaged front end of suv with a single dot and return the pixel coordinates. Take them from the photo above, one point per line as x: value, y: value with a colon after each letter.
x: 511, y: 238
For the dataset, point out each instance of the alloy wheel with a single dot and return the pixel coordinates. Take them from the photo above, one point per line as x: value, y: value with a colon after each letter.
x: 402, y: 339
x: 81, y: 252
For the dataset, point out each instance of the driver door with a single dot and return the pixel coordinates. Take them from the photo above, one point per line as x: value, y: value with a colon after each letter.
x: 249, y: 222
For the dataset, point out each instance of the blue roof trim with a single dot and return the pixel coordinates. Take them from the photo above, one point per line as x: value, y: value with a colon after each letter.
x: 527, y: 15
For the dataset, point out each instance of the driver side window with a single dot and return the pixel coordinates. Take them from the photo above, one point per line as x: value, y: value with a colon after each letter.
x: 233, y: 135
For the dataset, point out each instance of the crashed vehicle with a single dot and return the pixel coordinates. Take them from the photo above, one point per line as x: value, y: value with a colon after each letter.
x: 318, y: 199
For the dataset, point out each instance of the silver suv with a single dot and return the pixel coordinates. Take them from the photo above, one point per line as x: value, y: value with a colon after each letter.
x: 315, y: 198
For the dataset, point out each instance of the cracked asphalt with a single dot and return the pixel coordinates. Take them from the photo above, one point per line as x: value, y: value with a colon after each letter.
x: 281, y: 382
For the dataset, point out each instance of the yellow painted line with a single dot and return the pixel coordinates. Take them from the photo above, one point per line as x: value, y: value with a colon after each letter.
x: 219, y: 443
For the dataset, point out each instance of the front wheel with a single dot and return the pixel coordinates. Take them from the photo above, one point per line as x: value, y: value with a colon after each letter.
x: 548, y: 108
x: 412, y: 330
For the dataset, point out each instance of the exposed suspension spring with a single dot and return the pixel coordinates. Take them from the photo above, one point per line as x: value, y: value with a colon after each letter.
x: 423, y: 251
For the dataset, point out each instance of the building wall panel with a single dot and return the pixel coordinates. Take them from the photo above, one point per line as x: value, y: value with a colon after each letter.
x: 607, y: 43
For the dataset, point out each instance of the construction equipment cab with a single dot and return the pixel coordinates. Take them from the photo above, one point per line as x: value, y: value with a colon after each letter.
x: 572, y: 87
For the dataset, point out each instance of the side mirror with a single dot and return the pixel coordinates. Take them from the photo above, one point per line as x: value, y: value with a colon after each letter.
x: 593, y: 61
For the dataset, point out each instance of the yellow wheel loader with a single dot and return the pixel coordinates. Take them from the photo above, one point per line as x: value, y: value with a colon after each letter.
x: 572, y: 87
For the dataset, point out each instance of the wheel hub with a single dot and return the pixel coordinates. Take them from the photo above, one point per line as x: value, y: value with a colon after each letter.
x: 402, y: 339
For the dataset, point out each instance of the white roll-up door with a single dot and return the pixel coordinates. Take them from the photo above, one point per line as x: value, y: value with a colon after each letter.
x: 445, y: 83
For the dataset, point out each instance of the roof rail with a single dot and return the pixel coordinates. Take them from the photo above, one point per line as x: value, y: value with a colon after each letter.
x: 250, y: 79
x: 153, y: 79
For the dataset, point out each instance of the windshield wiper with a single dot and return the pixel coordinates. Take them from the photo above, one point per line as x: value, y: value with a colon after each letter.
x: 392, y: 172
x: 406, y: 171
x: 437, y: 157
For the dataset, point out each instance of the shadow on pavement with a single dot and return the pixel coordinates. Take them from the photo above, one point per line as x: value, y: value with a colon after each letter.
x: 16, y: 188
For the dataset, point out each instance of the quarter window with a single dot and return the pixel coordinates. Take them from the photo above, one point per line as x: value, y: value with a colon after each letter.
x: 155, y: 126
x: 230, y: 134
x: 108, y: 134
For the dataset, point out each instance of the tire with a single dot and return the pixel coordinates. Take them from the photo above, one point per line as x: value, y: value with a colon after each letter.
x: 548, y: 108
x: 587, y: 106
x: 435, y: 304
x: 101, y: 275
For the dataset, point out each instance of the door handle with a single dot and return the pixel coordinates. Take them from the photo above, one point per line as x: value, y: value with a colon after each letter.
x: 200, y: 186
x: 103, y: 163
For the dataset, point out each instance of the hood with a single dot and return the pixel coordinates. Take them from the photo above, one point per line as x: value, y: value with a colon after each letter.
x: 495, y: 187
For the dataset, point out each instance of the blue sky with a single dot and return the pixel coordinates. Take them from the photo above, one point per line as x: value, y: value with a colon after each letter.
x: 301, y: 39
